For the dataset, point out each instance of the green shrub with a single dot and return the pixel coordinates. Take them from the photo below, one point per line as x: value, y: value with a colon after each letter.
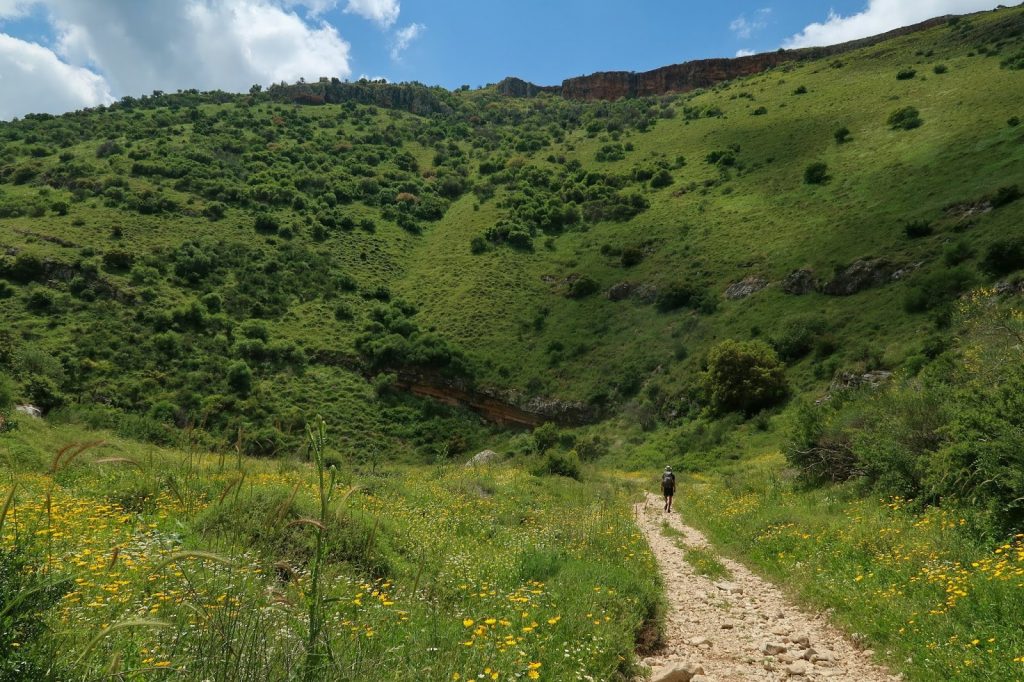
x: 797, y: 336
x: 842, y: 135
x: 917, y: 229
x: 801, y: 90
x: 1006, y: 195
x: 1003, y: 257
x: 940, y: 69
x: 561, y: 464
x: 663, y: 178
x: 676, y: 295
x: 934, y: 289
x: 582, y: 286
x: 906, y: 118
x: 744, y: 376
x: 544, y: 437
x: 760, y: 111
x: 816, y: 173
x: 906, y: 74
x: 957, y: 252
x: 631, y: 256
x: 1013, y: 121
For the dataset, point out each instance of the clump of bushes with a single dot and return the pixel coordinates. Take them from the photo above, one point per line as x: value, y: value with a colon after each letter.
x: 906, y: 118
x: 560, y: 464
x: 906, y: 74
x: 934, y: 289
x: 940, y: 69
x: 842, y: 135
x: 1003, y: 257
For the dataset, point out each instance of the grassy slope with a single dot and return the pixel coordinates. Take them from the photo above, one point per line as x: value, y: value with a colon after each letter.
x: 769, y: 223
x: 495, y: 588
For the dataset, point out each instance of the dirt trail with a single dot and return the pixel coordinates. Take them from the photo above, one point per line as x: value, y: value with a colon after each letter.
x: 742, y: 627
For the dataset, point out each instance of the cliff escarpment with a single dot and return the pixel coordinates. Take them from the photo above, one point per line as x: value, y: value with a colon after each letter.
x: 704, y: 73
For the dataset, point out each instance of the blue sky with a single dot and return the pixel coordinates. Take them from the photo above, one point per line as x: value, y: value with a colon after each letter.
x: 59, y: 55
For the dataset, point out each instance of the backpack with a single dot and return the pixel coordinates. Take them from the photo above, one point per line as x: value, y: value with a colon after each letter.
x: 668, y: 480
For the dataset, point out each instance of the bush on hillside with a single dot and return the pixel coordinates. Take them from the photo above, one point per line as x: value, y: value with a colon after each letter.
x: 744, y: 376
x: 940, y: 69
x: 559, y: 464
x: 1006, y: 195
x: 1003, y: 257
x: 906, y: 74
x: 957, y: 252
x: 798, y: 336
x: 801, y: 90
x: 934, y: 289
x: 676, y: 295
x: 907, y: 118
x: 545, y: 437
x: 582, y: 286
x: 917, y: 229
x: 816, y: 173
x: 1013, y: 121
x: 842, y: 135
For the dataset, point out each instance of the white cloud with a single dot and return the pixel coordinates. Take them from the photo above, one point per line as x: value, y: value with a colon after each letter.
x: 34, y: 80
x: 404, y: 37
x: 881, y: 16
x: 745, y: 53
x: 133, y: 47
x: 744, y: 28
x: 10, y: 9
x: 384, y: 12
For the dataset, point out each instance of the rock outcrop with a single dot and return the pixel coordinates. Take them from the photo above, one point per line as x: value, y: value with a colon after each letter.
x: 704, y: 73
x: 483, y: 457
x: 745, y: 287
x: 799, y: 282
x: 860, y: 275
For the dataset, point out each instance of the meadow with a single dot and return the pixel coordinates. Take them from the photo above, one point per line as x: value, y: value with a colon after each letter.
x: 126, y: 561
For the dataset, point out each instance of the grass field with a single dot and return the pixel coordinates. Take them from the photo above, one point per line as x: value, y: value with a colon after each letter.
x: 146, y: 562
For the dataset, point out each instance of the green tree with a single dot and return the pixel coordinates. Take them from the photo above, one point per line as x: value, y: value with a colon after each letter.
x: 544, y: 437
x: 744, y: 376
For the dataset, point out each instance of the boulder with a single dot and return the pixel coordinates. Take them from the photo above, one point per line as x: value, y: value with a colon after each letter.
x: 620, y: 291
x: 850, y: 380
x: 745, y: 287
x: 675, y: 672
x: 483, y: 457
x: 30, y: 410
x: 773, y: 649
x: 860, y: 275
x: 799, y: 282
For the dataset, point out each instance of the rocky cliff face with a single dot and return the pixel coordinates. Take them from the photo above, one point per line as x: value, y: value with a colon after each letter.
x: 705, y: 73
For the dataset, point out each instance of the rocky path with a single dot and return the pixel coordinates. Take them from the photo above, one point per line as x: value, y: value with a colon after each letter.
x: 740, y: 628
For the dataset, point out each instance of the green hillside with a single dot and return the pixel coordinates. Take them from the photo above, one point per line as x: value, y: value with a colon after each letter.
x: 214, y: 260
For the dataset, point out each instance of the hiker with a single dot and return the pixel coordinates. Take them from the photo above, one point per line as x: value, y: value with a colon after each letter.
x: 668, y: 487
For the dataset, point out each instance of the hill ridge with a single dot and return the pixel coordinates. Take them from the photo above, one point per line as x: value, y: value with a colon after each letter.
x: 694, y: 74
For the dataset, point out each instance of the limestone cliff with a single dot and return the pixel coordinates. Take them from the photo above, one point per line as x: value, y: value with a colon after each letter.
x: 704, y: 73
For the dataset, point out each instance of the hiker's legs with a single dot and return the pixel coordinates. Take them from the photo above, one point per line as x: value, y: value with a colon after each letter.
x: 668, y: 503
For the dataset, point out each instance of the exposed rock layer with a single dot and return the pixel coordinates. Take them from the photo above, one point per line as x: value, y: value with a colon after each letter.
x: 704, y: 73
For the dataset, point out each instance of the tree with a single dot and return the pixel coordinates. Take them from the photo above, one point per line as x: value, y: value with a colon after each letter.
x: 240, y: 377
x: 744, y: 376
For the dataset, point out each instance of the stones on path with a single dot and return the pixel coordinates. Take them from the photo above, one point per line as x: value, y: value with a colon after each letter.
x: 729, y: 588
x: 675, y: 672
x: 798, y: 668
x: 741, y: 629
